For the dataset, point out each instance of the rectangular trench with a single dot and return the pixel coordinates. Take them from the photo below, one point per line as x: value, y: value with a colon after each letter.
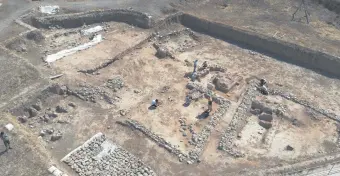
x: 285, y: 51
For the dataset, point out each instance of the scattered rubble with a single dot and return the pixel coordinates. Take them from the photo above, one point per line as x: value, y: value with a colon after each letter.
x: 61, y: 109
x: 115, y: 83
x: 56, y: 136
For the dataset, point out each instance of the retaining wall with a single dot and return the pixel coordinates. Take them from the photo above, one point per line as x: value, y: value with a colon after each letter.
x: 79, y: 19
x: 332, y: 5
x: 286, y: 51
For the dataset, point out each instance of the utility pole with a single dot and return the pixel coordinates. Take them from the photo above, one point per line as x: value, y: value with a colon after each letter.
x: 303, y: 7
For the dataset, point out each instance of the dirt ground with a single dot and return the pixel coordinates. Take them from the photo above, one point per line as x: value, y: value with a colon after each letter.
x: 146, y: 77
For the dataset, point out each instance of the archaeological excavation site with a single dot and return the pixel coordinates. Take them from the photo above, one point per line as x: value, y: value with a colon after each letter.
x: 170, y: 87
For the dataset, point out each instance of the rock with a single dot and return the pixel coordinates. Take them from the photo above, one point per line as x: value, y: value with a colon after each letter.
x: 184, y: 134
x: 122, y: 112
x: 22, y: 119
x: 137, y: 91
x: 267, y: 110
x: 265, y: 124
x: 56, y: 136
x: 266, y: 117
x: 49, y: 131
x: 72, y: 105
x: 210, y: 86
x: 61, y: 109
x: 58, y: 89
x: 52, y: 115
x: 195, y: 95
x: 295, y: 122
x: 37, y: 105
x: 33, y: 112
x: 161, y: 52
x: 289, y: 148
x: 257, y: 105
x: 255, y: 111
x: 42, y: 133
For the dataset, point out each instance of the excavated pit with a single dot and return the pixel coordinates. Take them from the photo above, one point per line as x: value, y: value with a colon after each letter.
x: 251, y: 122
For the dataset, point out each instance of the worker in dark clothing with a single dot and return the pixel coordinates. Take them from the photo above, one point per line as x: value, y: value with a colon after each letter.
x: 5, y: 139
x: 195, y: 66
x: 210, y: 104
x: 263, y: 87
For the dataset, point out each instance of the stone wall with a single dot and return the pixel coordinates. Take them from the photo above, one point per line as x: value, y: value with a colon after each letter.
x: 100, y: 157
x: 79, y: 19
x: 238, y: 121
x: 286, y: 51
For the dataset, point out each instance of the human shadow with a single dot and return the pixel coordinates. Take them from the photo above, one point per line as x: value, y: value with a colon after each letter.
x: 152, y: 107
x: 204, y: 115
x: 3, y: 152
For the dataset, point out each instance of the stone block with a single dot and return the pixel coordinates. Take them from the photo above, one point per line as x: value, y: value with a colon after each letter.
x: 265, y: 124
x: 266, y: 117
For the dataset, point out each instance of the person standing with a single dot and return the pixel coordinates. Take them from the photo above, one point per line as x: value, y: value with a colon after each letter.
x: 195, y: 65
x: 210, y: 104
x: 5, y: 139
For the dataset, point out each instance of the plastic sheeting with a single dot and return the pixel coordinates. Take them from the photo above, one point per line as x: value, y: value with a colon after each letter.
x: 49, y: 9
x: 91, y: 30
x: 53, y: 57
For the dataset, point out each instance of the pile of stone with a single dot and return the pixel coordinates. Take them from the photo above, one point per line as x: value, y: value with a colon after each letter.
x: 237, y: 123
x: 101, y: 157
x: 162, y: 52
x: 159, y: 140
x: 115, y: 84
x: 225, y: 82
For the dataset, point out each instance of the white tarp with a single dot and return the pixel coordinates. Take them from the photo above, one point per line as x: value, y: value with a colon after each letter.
x: 53, y: 57
x: 0, y: 4
x: 49, y: 9
x: 91, y: 30
x: 9, y: 127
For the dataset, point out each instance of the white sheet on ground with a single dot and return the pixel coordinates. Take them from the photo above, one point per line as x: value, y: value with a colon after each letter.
x: 49, y: 9
x: 91, y: 30
x: 53, y: 57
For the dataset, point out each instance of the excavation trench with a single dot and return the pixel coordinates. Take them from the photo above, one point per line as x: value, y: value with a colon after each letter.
x: 321, y: 62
